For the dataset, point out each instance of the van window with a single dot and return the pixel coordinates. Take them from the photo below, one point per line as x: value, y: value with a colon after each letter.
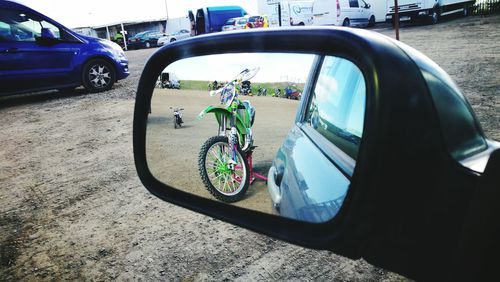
x: 353, y: 3
x: 19, y: 26
x: 337, y: 106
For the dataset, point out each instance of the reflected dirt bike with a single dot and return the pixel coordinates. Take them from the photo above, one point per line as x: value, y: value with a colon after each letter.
x: 177, y: 117
x: 225, y: 160
x: 262, y: 92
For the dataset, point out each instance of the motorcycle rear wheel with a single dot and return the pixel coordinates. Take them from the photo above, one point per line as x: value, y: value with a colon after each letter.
x: 224, y: 184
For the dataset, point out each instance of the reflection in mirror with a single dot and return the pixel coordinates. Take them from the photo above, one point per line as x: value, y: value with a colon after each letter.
x: 224, y: 127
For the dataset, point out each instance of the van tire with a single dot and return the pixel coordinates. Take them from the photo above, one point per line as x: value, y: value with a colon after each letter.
x: 371, y: 21
x: 346, y: 22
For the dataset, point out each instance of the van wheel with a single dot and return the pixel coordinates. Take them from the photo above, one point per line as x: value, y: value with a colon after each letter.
x: 172, y: 40
x: 371, y: 22
x: 346, y: 22
x: 98, y: 75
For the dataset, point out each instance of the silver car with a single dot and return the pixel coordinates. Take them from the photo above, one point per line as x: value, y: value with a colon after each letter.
x: 178, y: 35
x: 235, y: 24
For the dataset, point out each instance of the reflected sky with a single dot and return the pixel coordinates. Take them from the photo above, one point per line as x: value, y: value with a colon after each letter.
x: 274, y: 67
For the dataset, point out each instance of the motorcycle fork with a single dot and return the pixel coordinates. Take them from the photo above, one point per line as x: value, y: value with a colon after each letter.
x: 233, y: 141
x: 222, y: 125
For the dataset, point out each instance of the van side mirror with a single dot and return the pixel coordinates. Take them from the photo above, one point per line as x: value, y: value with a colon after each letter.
x: 47, y: 33
x: 47, y: 37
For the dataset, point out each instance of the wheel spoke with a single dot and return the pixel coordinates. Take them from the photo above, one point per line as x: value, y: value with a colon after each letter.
x: 226, y: 184
x: 217, y: 157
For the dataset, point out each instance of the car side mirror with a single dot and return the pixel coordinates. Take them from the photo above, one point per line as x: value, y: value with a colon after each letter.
x: 47, y: 33
x: 319, y: 172
x: 47, y: 37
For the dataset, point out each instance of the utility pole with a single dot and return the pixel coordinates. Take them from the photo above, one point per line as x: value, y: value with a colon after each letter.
x: 166, y: 10
x: 124, y: 37
x: 396, y: 18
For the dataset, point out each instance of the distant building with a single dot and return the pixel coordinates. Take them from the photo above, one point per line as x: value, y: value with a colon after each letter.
x: 87, y: 31
x: 108, y: 31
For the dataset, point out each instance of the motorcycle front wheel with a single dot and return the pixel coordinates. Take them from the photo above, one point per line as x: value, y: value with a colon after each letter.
x: 223, y: 183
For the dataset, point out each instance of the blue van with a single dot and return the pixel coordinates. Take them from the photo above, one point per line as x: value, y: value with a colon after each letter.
x: 37, y: 53
x: 211, y: 19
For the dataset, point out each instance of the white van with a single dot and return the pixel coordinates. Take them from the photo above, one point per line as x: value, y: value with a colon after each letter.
x: 301, y: 12
x: 430, y: 10
x: 287, y: 13
x: 343, y: 12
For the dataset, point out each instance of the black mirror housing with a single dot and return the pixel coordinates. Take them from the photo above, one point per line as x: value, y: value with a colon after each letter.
x: 402, y: 156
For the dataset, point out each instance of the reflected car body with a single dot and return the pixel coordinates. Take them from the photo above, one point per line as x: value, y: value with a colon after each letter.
x: 50, y: 58
x: 235, y: 24
x: 311, y: 173
x: 145, y: 39
x: 178, y: 35
x: 305, y: 171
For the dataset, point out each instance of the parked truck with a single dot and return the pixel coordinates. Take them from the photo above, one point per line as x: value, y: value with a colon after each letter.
x: 211, y: 19
x: 428, y: 10
x: 287, y: 13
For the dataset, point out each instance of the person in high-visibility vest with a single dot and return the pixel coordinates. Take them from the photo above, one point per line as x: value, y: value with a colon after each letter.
x: 118, y: 37
x: 266, y: 22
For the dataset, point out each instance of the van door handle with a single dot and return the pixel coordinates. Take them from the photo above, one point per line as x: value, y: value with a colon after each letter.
x: 273, y: 188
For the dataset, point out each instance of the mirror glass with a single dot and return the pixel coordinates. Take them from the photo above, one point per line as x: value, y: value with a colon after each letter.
x: 242, y: 129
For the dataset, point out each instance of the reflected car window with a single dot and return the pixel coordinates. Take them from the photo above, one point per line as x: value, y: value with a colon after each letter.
x: 337, y: 105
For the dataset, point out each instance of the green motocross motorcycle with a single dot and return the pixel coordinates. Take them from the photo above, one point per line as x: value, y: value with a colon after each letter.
x: 225, y: 160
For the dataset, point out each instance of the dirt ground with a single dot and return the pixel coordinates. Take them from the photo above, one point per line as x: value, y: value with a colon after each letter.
x: 72, y: 207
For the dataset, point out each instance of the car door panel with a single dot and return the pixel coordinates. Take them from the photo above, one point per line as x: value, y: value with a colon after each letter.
x: 32, y: 66
x: 307, y: 173
x: 34, y: 53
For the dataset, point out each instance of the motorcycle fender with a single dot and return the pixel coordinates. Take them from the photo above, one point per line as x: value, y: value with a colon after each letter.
x: 218, y: 112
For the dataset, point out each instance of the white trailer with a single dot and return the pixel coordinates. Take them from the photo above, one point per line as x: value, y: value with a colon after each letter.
x: 430, y: 10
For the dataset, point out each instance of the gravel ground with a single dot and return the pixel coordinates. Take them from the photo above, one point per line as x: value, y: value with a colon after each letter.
x: 72, y: 207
